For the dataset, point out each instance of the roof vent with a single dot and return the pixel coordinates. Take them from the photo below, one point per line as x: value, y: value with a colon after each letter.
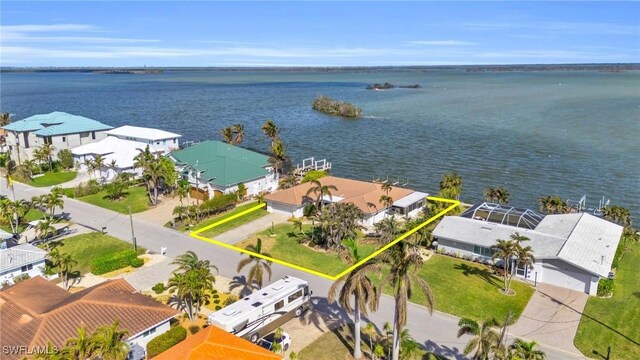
x: 602, y: 260
x: 264, y: 294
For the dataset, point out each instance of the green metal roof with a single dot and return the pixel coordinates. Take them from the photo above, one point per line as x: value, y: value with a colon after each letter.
x: 225, y: 164
x: 56, y: 123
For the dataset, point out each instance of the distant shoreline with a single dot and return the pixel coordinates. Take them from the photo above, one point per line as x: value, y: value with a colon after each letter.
x: 467, y: 68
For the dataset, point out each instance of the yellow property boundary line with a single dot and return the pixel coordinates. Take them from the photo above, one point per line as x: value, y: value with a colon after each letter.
x: 195, y: 234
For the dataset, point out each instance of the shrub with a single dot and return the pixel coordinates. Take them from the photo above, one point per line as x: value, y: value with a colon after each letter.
x: 115, y: 261
x: 90, y: 188
x: 116, y: 189
x: 66, y: 158
x: 21, y: 278
x: 218, y: 307
x: 313, y: 175
x: 219, y: 204
x: 605, y: 287
x: 193, y: 329
x: 158, y: 288
x: 165, y: 341
x: 334, y: 107
x: 230, y: 300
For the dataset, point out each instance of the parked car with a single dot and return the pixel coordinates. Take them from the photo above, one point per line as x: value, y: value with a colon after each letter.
x: 268, y: 341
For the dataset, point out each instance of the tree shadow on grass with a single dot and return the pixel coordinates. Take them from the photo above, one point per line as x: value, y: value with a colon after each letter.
x: 441, y: 350
x: 484, y: 274
x: 322, y: 311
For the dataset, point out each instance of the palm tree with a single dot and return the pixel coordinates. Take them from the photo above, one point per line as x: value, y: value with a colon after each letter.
x: 451, y: 183
x: 80, y: 346
x: 53, y: 200
x: 505, y: 250
x: 39, y: 156
x: 358, y: 285
x: 182, y: 190
x: 180, y: 212
x: 5, y: 119
x: 44, y: 229
x: 227, y: 135
x: 386, y: 187
x: 388, y: 229
x: 108, y: 343
x: 402, y: 277
x: 278, y: 156
x: 617, y: 214
x: 64, y: 263
x: 525, y: 256
x: 320, y: 191
x: 154, y: 171
x: 260, y: 266
x: 498, y: 195
x: 238, y: 131
x: 553, y: 205
x: 190, y: 261
x: 386, y: 201
x: 526, y: 350
x: 270, y: 130
x: 47, y: 152
x: 98, y: 163
x: 192, y: 282
x: 485, y: 337
x: 372, y: 334
x: 18, y: 209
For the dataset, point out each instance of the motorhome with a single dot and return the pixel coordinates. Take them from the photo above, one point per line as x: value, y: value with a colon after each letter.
x: 264, y: 310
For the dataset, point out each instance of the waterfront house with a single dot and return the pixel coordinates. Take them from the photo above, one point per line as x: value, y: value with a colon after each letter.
x: 122, y: 145
x: 20, y: 260
x: 62, y: 130
x: 213, y: 343
x: 214, y: 167
x: 365, y: 195
x: 36, y: 311
x: 573, y: 251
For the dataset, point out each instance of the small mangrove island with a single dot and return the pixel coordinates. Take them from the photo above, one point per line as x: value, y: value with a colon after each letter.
x: 387, y: 86
x: 335, y: 107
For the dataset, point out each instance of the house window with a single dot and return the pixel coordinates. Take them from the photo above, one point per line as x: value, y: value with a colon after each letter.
x: 93, y: 135
x: 480, y: 250
x: 294, y: 296
x: 279, y: 305
x: 26, y: 268
x: 174, y: 141
x: 64, y: 139
x: 164, y: 142
x: 149, y: 332
x: 84, y: 134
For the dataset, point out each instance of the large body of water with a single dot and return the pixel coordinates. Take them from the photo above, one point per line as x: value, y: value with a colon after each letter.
x: 535, y: 133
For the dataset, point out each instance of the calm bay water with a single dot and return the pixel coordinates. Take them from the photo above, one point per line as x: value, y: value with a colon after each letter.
x: 535, y: 133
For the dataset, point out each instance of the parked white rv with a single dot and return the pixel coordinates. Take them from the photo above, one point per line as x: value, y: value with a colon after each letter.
x: 263, y: 311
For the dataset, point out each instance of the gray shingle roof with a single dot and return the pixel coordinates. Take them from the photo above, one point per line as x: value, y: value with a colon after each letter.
x: 17, y: 256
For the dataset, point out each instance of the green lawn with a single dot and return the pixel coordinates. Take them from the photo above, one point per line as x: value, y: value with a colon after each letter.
x: 467, y: 289
x: 33, y: 214
x: 285, y: 247
x: 615, y: 321
x: 338, y: 343
x: 232, y: 223
x: 53, y: 178
x: 137, y: 197
x: 86, y: 247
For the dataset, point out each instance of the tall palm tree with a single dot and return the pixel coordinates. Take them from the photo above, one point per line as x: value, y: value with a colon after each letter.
x: 154, y: 172
x: 44, y: 229
x: 47, y: 151
x: 404, y: 265
x: 192, y: 282
x: 260, y: 266
x: 80, y: 346
x: 108, y: 343
x: 63, y: 263
x: 525, y: 256
x: 18, y: 209
x: 358, y: 285
x: 485, y: 337
x: 505, y: 250
x: 386, y: 188
x: 278, y: 157
x: 98, y: 163
x: 5, y: 119
x: 227, y: 135
x: 386, y: 201
x: 388, y: 229
x: 527, y: 350
x: 190, y: 261
x: 39, y: 156
x: 451, y: 183
x: 617, y: 214
x: 553, y: 205
x: 53, y: 200
x: 182, y: 190
x: 320, y: 191
x: 271, y: 130
x: 498, y: 195
x: 238, y: 133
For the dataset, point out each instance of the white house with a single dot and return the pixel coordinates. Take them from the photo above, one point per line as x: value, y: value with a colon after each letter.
x: 62, y: 130
x: 572, y: 250
x: 36, y: 311
x: 121, y: 146
x: 214, y: 167
x: 20, y: 260
x: 365, y: 195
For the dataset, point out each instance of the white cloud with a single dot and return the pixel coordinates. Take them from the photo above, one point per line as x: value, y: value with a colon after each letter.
x: 441, y: 42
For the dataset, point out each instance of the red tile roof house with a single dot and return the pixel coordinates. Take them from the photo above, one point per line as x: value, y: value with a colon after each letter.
x: 36, y: 311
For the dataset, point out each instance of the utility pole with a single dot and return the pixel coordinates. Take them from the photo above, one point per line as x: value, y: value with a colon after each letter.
x: 133, y: 235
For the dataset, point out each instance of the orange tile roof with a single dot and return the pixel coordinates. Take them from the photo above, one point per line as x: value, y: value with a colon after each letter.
x: 365, y: 195
x: 214, y: 343
x: 36, y: 311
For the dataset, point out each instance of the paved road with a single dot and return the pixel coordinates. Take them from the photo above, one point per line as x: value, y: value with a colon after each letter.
x: 437, y: 332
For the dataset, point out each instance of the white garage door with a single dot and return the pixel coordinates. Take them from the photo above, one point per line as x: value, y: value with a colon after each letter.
x: 565, y: 278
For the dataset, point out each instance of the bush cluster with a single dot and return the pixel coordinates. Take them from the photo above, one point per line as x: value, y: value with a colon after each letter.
x: 115, y: 261
x: 219, y: 204
x: 158, y: 288
x: 163, y: 342
x: 90, y: 188
x: 605, y: 287
x: 334, y: 107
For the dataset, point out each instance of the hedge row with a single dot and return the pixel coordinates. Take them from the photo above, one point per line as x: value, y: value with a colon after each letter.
x: 163, y: 342
x: 219, y: 204
x: 115, y: 261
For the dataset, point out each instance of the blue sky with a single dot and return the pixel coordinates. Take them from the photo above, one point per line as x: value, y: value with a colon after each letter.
x: 317, y: 33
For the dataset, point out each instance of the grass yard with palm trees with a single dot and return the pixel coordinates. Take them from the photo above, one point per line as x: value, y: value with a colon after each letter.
x: 285, y: 246
x: 136, y: 197
x: 614, y: 321
x: 232, y: 223
x: 53, y: 178
x: 86, y: 247
x: 467, y: 289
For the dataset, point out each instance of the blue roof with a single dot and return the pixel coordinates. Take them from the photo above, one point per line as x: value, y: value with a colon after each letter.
x: 56, y: 123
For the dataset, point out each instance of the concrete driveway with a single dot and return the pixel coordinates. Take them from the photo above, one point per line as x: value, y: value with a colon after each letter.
x: 552, y: 317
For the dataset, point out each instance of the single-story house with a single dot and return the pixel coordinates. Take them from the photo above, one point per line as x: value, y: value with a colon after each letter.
x: 19, y: 260
x: 36, y: 311
x: 573, y: 251
x: 214, y: 167
x: 213, y: 343
x: 365, y: 195
x: 62, y: 130
x: 122, y: 145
